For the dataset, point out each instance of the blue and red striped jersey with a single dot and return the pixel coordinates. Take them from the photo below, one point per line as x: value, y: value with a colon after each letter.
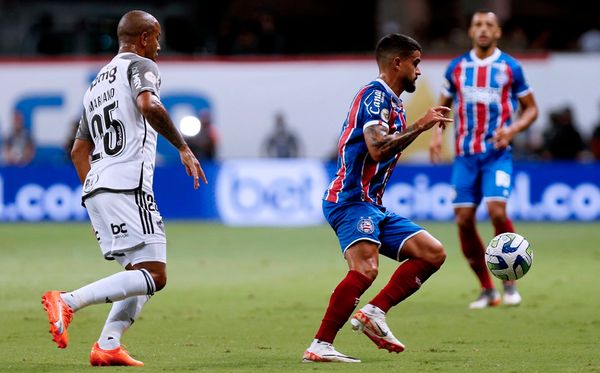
x: 359, y: 177
x: 485, y: 94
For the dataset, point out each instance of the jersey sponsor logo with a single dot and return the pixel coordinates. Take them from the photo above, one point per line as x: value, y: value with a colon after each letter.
x: 110, y: 75
x: 483, y: 95
x: 373, y: 102
x: 118, y: 229
x: 365, y: 225
x: 135, y: 76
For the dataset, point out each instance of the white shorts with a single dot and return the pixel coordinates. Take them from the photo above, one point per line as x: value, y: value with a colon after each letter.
x: 128, y: 226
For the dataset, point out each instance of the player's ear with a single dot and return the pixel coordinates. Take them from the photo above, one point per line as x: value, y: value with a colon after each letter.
x: 144, y: 38
x: 498, y: 33
x: 396, y: 62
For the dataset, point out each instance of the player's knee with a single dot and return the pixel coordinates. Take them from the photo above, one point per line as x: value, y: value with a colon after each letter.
x: 498, y: 217
x: 436, y: 253
x: 465, y: 221
x: 160, y: 280
x: 369, y: 270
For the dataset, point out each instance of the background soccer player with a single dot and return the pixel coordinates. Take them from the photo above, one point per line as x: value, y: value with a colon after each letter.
x: 373, y: 135
x: 114, y: 155
x: 486, y: 86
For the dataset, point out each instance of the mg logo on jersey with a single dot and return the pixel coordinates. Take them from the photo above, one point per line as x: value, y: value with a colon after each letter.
x: 118, y: 229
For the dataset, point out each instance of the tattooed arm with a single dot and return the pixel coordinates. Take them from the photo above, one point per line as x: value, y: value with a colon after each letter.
x: 382, y: 145
x: 156, y: 114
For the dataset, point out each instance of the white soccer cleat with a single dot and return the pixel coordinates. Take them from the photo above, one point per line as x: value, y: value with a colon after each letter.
x: 371, y: 321
x: 323, y: 352
x: 487, y: 298
x: 511, y: 296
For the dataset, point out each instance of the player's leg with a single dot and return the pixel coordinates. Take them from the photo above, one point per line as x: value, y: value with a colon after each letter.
x: 150, y: 257
x: 356, y: 227
x: 401, y: 239
x: 108, y: 350
x: 497, y: 185
x: 124, y: 233
x: 474, y: 251
x: 466, y: 178
x: 104, y: 210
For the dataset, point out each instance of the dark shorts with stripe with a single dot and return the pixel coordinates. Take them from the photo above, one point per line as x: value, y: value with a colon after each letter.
x: 126, y: 222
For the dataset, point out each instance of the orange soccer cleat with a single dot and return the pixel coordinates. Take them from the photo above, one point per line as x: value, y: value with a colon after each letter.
x: 118, y: 356
x: 59, y: 316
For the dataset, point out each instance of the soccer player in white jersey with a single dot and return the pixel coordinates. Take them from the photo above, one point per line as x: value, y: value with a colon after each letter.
x: 114, y: 155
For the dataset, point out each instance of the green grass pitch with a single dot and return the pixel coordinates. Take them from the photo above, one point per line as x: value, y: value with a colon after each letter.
x: 251, y: 299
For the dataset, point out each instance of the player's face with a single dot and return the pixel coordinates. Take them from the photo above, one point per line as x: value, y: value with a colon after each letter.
x: 411, y: 71
x: 484, y: 30
x: 153, y: 43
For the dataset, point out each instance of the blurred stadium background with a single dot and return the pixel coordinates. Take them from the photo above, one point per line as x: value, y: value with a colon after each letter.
x: 233, y: 69
x: 232, y: 72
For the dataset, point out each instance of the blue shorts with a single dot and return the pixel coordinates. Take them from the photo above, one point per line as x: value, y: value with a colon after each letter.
x: 485, y: 175
x: 358, y: 221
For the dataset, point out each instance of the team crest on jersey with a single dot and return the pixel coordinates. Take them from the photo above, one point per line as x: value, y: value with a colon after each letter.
x: 90, y: 181
x: 385, y: 115
x: 365, y: 225
x: 149, y: 75
x: 501, y: 78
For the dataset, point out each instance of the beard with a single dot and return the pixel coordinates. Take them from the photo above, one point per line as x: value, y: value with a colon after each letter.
x: 410, y: 85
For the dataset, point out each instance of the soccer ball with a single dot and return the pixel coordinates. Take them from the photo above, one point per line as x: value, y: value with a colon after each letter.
x: 509, y: 256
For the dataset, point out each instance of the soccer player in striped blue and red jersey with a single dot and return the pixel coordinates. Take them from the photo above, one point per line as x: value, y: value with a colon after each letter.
x: 374, y: 134
x: 485, y: 87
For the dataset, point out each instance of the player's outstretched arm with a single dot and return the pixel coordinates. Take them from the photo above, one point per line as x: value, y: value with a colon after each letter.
x: 80, y: 155
x: 156, y: 114
x: 382, y: 145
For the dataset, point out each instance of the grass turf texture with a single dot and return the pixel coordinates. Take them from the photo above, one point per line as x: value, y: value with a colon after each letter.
x: 251, y: 299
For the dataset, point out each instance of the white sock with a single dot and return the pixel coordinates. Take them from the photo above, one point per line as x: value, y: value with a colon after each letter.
x: 122, y: 315
x: 113, y: 288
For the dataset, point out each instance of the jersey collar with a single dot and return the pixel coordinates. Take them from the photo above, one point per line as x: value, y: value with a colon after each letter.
x: 388, y: 89
x: 487, y: 60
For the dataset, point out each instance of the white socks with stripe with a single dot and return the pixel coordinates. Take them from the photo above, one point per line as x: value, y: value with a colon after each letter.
x: 113, y: 288
x: 122, y: 314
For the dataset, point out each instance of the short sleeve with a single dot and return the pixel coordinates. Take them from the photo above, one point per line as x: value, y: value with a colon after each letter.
x: 83, y: 130
x: 448, y: 87
x: 520, y: 87
x: 375, y: 108
x: 144, y: 76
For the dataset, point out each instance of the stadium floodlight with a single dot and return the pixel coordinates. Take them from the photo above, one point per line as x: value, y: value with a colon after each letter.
x: 190, y: 125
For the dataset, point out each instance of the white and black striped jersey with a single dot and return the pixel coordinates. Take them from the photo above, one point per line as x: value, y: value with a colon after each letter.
x: 124, y: 152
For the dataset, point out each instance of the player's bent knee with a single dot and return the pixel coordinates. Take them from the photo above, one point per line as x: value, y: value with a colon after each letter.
x: 371, y: 272
x: 436, y: 253
x: 160, y: 281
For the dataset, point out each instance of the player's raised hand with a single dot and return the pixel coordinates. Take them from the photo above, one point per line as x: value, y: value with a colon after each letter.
x: 433, y: 116
x: 192, y: 166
